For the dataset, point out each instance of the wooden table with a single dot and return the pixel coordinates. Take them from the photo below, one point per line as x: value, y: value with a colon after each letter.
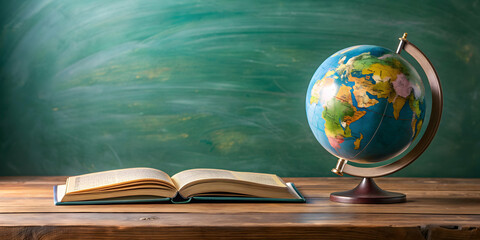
x: 435, y: 209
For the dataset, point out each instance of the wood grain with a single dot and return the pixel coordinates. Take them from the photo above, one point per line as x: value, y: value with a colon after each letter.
x: 436, y: 209
x: 74, y: 232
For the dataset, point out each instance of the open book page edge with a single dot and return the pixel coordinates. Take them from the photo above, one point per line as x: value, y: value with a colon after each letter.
x: 57, y: 199
x: 291, y: 187
x: 183, y: 183
x: 294, y: 191
x: 70, y: 185
x: 124, y: 187
x: 121, y: 184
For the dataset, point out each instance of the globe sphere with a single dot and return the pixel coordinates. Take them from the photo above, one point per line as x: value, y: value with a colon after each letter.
x: 365, y: 104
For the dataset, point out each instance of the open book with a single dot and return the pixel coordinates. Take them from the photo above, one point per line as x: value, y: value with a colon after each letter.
x: 151, y: 185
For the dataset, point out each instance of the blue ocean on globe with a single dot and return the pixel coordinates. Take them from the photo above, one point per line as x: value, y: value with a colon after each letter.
x: 365, y: 104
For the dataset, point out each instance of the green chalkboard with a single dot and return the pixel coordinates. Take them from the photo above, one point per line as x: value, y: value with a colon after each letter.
x: 95, y: 85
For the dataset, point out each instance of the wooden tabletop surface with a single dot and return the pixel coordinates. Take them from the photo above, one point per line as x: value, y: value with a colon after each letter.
x: 436, y: 208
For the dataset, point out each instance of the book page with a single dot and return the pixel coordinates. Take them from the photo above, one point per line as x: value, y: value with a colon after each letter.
x: 109, y: 178
x: 261, y: 178
x: 189, y: 176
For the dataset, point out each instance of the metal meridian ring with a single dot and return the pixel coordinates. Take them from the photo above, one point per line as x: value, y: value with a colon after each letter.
x: 436, y: 114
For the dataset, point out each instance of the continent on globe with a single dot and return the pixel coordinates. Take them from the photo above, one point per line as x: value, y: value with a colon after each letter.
x: 356, y: 103
x: 357, y: 141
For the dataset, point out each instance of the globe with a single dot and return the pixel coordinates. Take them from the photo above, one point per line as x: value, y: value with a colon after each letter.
x: 365, y: 104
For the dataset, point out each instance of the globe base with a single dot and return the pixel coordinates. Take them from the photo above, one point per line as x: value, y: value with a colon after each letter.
x: 367, y: 192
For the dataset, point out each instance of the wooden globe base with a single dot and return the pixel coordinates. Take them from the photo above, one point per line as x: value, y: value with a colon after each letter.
x: 368, y: 192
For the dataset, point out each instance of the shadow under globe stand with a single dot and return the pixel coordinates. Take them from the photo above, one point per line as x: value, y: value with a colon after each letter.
x: 367, y: 191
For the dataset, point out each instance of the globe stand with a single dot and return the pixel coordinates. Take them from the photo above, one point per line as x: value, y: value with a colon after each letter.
x: 367, y: 192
